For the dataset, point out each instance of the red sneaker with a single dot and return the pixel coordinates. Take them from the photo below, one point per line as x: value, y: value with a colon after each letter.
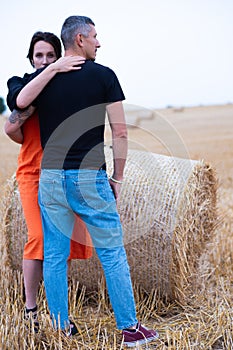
x: 141, y: 335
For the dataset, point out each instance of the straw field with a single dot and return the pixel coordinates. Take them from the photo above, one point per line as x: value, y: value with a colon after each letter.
x: 204, y: 320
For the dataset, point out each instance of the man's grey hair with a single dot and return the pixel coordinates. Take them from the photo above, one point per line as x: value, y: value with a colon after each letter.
x: 72, y: 26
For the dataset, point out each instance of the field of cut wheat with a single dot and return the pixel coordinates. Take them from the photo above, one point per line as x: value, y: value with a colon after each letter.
x: 203, y: 320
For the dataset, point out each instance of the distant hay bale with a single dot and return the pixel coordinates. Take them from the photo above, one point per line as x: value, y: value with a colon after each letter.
x: 134, y: 115
x: 168, y: 212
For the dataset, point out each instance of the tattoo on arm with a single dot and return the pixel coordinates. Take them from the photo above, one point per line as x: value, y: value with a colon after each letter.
x: 20, y: 116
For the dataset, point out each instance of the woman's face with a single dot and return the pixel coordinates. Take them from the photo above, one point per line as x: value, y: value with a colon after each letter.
x: 43, y: 54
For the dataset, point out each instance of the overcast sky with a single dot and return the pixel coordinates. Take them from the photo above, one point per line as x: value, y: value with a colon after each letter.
x: 164, y: 52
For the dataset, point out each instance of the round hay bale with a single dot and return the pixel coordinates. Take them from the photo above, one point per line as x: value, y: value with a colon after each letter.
x: 14, y: 230
x: 168, y: 212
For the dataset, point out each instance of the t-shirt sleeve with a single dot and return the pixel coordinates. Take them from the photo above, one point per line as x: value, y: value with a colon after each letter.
x: 15, y: 85
x: 114, y: 91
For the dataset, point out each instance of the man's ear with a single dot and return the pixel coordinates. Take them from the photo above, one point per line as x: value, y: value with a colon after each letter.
x: 79, y: 39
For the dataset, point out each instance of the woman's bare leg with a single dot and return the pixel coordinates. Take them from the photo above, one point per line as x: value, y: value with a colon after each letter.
x: 32, y: 271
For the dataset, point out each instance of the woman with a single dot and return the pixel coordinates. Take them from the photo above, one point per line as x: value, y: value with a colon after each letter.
x: 44, y: 50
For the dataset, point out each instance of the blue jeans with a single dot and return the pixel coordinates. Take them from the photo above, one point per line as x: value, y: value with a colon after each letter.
x: 62, y: 193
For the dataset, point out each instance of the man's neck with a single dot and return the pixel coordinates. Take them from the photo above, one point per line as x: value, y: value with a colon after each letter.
x: 72, y: 52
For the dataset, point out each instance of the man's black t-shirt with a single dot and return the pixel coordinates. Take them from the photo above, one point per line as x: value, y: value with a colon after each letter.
x: 71, y: 111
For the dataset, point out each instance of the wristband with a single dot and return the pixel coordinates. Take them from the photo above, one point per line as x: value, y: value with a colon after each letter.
x: 114, y: 180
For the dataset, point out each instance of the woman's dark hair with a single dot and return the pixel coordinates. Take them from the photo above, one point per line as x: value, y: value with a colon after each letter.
x: 50, y: 38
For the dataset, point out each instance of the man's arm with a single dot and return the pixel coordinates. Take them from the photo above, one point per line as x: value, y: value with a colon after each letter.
x: 29, y: 93
x: 117, y: 122
x: 13, y: 124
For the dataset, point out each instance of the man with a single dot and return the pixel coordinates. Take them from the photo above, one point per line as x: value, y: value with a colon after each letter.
x: 73, y: 179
